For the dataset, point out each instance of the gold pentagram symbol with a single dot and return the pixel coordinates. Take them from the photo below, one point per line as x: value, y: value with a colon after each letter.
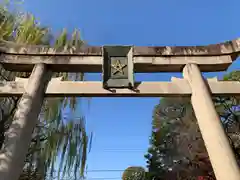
x: 118, y: 67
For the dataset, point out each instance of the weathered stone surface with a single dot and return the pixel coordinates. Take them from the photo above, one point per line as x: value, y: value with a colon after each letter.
x: 228, y: 47
x: 178, y: 87
x: 211, y: 58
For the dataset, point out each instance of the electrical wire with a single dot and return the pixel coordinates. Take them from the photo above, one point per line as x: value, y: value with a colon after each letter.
x: 104, y: 170
x: 92, y: 178
x: 103, y: 178
x: 96, y: 178
x: 107, y: 170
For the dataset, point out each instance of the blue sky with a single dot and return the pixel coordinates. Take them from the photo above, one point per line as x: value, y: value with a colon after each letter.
x: 122, y: 126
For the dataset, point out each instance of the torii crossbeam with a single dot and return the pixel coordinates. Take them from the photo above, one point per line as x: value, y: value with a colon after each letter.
x: 216, y: 57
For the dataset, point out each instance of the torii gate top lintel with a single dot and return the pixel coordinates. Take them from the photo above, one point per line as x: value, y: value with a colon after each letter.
x: 225, y: 48
x: 217, y: 57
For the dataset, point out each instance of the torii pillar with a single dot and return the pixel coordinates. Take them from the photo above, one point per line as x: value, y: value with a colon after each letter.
x: 19, y: 135
x: 217, y: 144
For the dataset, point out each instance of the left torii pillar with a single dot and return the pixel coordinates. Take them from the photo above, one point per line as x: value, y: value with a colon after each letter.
x: 18, y: 137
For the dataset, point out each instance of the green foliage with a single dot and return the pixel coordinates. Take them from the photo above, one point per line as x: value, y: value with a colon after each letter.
x: 232, y: 76
x: 28, y: 32
x: 229, y: 111
x: 156, y: 168
x: 134, y: 173
x: 6, y: 24
x: 52, y: 137
x: 176, y: 137
x: 167, y: 117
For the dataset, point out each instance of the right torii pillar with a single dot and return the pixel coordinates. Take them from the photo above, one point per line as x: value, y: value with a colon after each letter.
x: 217, y: 144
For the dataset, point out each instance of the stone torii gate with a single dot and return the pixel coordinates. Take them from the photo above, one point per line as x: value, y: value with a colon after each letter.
x: 118, y: 64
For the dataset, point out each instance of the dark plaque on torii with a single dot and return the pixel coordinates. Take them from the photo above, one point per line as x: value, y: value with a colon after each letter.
x: 118, y: 67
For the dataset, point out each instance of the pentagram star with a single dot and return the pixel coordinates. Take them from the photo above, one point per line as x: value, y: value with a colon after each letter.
x: 118, y: 67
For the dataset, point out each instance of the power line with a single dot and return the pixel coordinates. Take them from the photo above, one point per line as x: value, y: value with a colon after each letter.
x: 105, y: 170
x: 120, y: 151
x: 108, y: 170
x: 103, y: 178
x: 92, y: 178
x: 100, y: 178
